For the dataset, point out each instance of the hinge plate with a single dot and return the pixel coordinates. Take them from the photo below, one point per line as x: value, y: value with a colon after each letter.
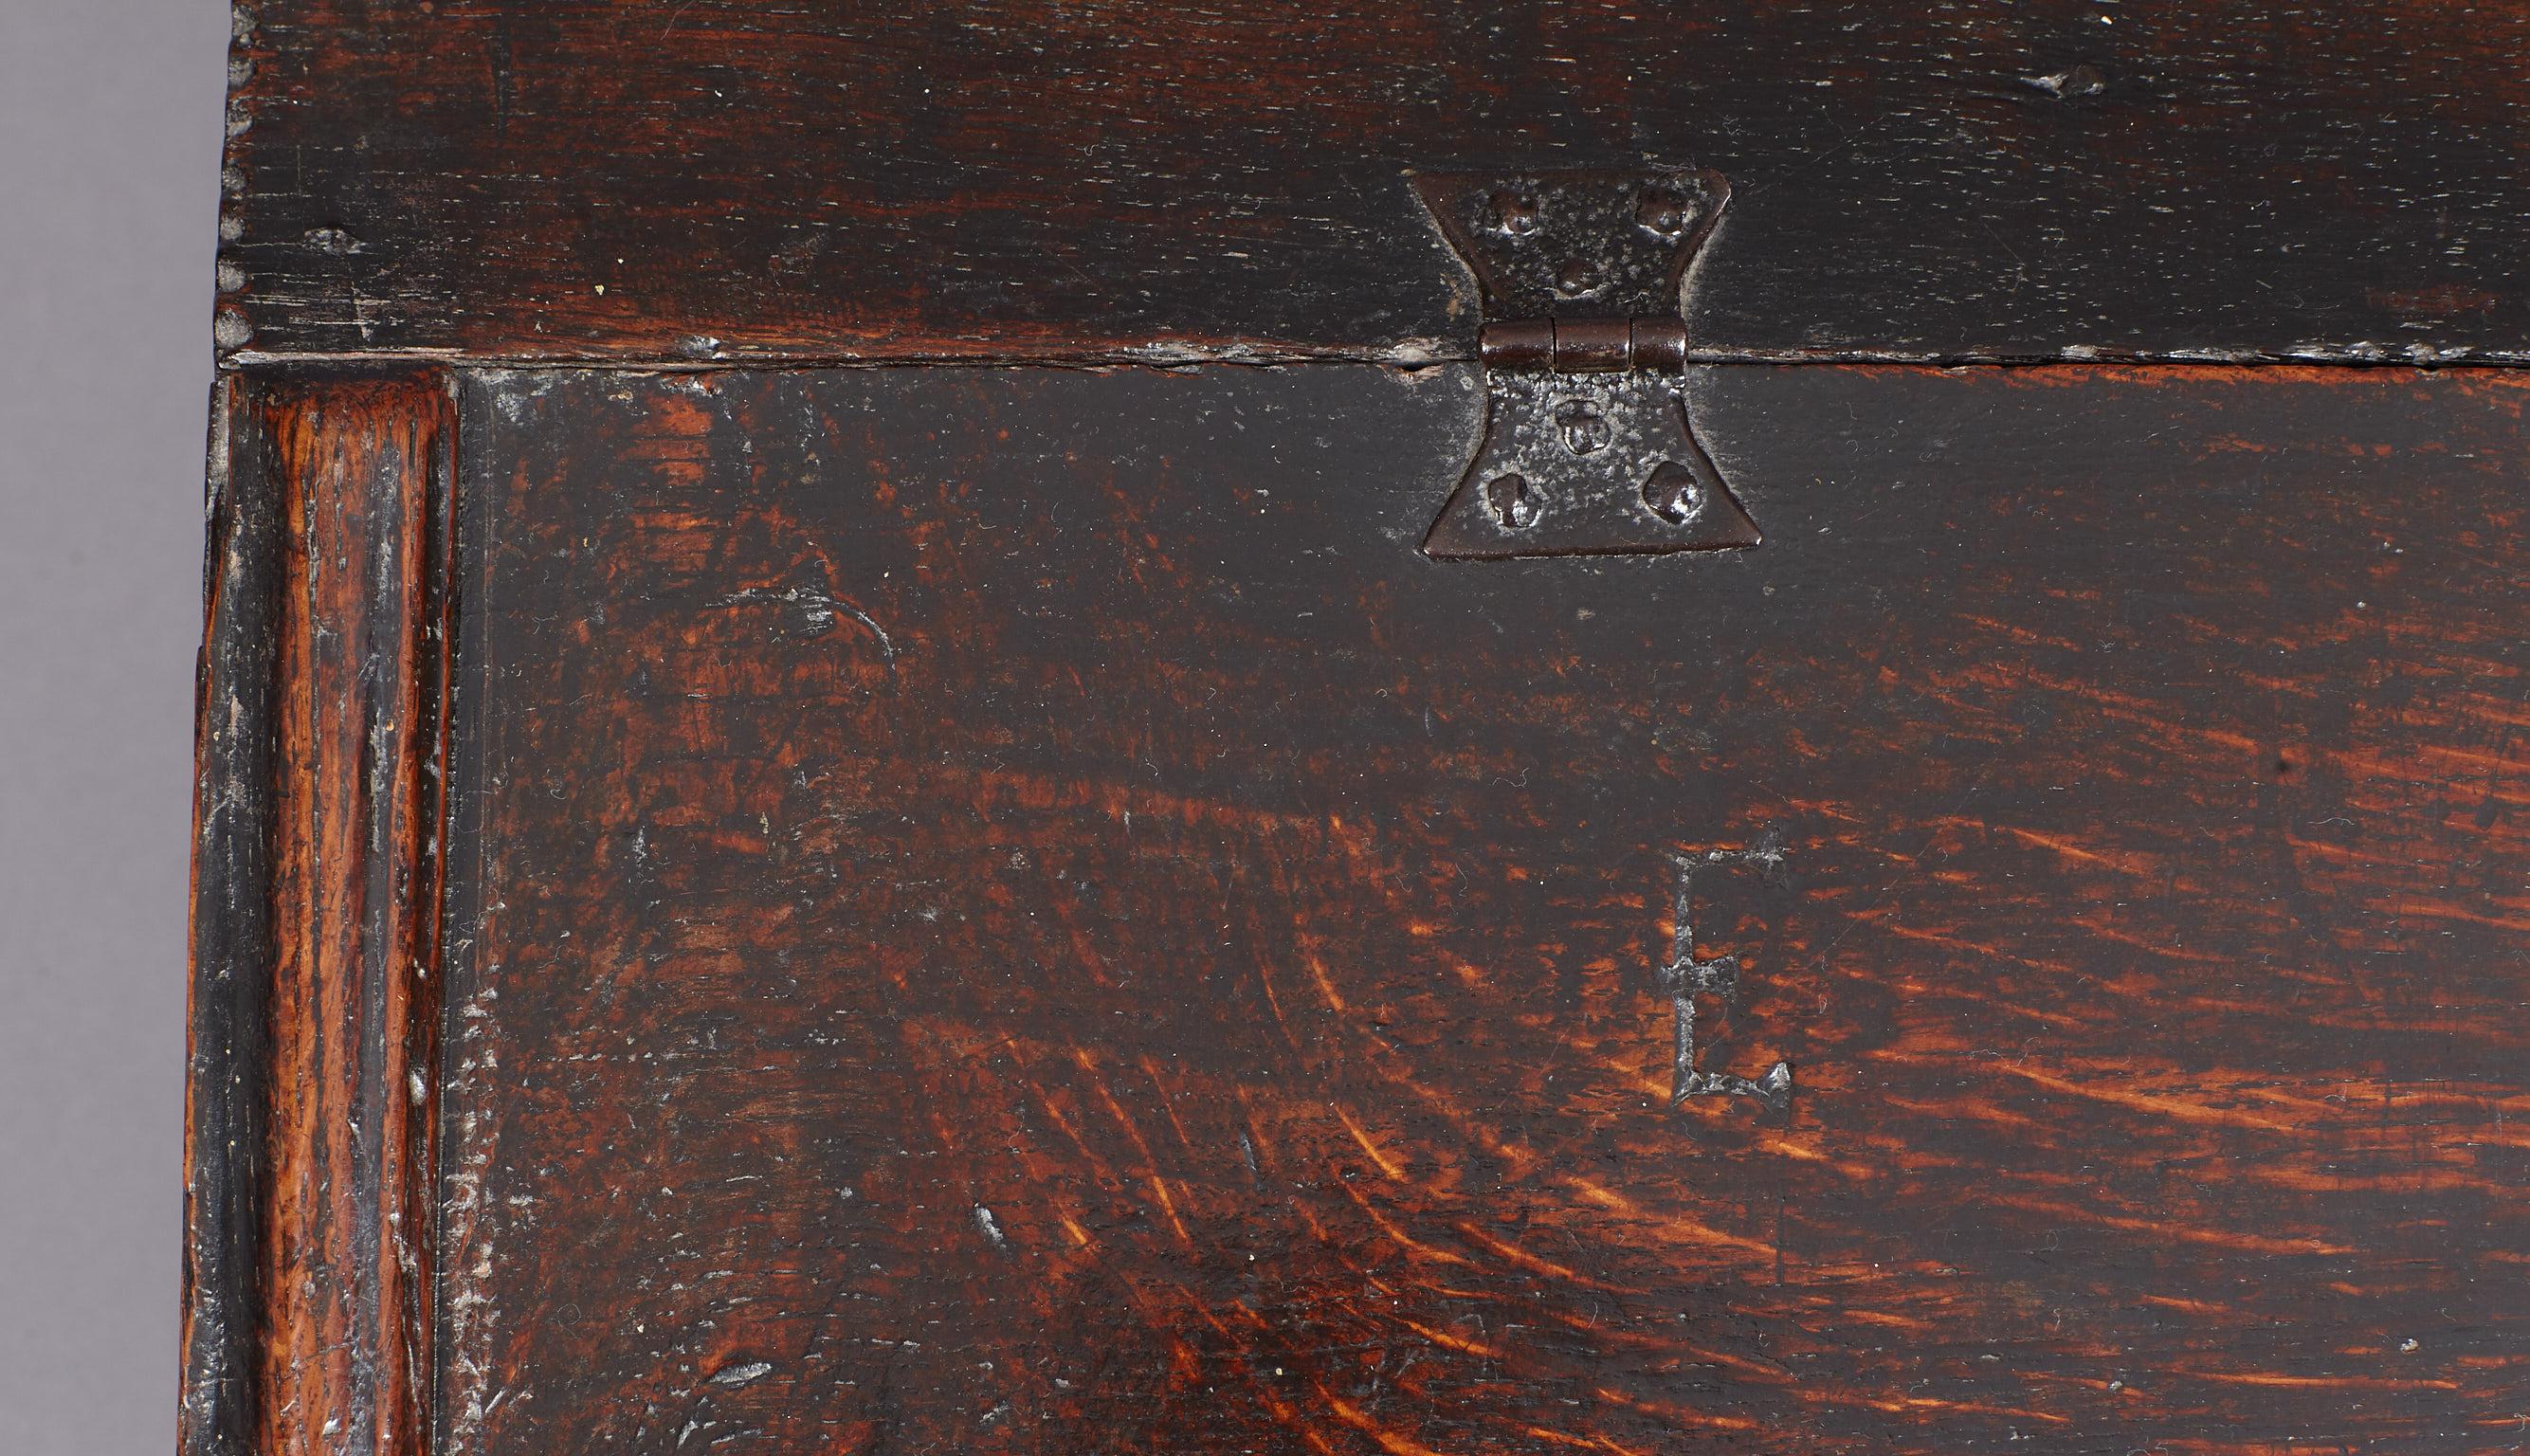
x: 1587, y: 449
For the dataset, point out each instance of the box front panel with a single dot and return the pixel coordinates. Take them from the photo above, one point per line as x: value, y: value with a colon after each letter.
x: 1012, y: 910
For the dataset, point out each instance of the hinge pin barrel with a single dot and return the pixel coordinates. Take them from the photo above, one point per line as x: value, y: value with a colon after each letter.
x: 1583, y: 346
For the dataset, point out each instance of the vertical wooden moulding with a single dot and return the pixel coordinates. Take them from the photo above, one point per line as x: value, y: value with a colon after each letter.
x: 315, y: 1003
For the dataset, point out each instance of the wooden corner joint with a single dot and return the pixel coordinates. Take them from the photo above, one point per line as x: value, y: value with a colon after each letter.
x: 314, y: 1029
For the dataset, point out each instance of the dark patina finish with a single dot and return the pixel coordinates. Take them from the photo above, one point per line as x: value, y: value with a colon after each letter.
x: 766, y: 887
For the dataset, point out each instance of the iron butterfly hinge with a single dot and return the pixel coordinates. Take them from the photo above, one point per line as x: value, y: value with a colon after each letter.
x: 1587, y: 448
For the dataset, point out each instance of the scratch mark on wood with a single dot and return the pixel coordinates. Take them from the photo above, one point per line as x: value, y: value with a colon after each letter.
x: 1685, y: 980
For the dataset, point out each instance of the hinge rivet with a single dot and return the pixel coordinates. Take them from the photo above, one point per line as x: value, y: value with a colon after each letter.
x: 1673, y: 494
x: 1513, y: 504
x: 1662, y: 215
x: 1514, y: 214
x: 1584, y: 426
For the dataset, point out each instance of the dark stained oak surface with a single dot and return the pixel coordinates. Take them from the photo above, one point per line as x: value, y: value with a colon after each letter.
x: 749, y: 904
x: 815, y: 180
x: 1010, y: 910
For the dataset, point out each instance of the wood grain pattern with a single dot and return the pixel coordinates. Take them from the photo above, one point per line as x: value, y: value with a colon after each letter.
x: 1012, y: 911
x: 742, y: 179
x: 312, y: 1187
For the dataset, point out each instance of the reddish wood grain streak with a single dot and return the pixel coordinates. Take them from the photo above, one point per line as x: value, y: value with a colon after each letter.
x: 331, y: 1029
x: 1011, y: 910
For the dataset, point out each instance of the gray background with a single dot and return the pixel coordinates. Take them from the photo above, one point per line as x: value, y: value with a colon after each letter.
x: 109, y: 205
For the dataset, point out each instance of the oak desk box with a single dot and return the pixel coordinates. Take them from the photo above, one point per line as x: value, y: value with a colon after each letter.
x: 1450, y: 730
